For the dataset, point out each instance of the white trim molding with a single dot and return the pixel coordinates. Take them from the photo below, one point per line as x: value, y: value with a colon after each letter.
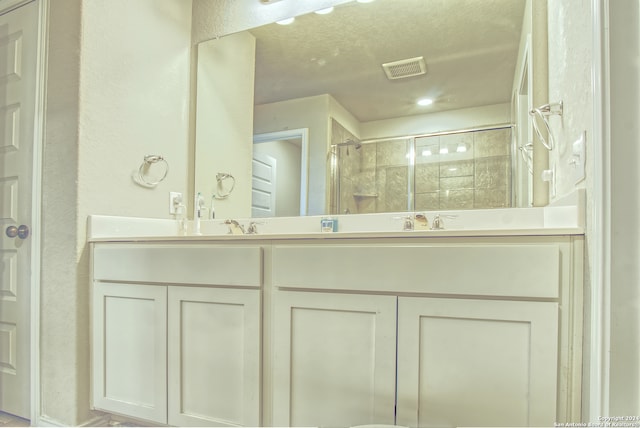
x: 303, y: 134
x: 36, y: 209
x: 7, y: 6
x: 597, y: 390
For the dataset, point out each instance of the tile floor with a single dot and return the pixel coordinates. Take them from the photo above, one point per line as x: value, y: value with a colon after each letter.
x: 7, y: 420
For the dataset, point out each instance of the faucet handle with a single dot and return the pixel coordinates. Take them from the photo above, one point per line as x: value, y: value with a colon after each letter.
x: 408, y: 223
x: 438, y: 223
x: 252, y: 229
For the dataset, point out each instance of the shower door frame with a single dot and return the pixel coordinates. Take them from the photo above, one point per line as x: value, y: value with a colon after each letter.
x: 411, y: 155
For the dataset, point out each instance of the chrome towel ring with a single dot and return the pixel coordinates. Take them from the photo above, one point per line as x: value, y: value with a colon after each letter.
x: 142, y: 175
x: 542, y: 113
x: 221, y: 193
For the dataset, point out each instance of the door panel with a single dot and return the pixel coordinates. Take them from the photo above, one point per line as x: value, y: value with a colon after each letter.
x: 214, y: 357
x: 129, y: 343
x: 465, y: 362
x: 263, y: 188
x: 18, y: 62
x: 334, y: 359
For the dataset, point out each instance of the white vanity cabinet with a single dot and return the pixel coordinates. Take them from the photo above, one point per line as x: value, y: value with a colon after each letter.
x: 175, y: 344
x: 480, y: 331
x: 322, y: 330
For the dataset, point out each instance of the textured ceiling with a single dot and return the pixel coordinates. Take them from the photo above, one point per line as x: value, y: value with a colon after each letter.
x: 470, y: 48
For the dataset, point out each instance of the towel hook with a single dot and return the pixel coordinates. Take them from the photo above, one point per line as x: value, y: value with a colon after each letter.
x: 527, y: 155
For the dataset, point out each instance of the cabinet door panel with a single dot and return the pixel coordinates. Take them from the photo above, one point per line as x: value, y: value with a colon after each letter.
x: 334, y: 359
x: 476, y: 362
x: 214, y: 357
x: 129, y: 347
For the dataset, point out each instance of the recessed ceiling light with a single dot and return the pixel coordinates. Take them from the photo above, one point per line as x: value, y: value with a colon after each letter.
x: 286, y: 21
x: 365, y: 1
x: 461, y: 148
x: 325, y: 11
x: 425, y: 102
x: 444, y: 150
x: 426, y: 152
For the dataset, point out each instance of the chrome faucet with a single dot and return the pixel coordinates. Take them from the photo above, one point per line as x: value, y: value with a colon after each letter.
x: 235, y: 228
x: 437, y: 223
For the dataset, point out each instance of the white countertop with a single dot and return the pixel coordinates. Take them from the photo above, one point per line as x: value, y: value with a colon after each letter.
x: 551, y: 220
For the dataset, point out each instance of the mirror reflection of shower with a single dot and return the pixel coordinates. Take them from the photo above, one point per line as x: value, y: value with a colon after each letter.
x: 469, y: 169
x: 350, y: 143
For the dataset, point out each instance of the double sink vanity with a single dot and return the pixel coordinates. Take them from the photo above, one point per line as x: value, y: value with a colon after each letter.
x: 479, y: 324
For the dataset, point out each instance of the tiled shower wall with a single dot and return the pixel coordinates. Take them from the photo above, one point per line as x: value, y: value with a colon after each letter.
x: 343, y: 169
x: 463, y: 170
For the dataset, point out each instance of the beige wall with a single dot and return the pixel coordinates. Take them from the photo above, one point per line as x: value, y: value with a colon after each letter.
x: 451, y: 120
x: 63, y: 350
x: 118, y: 76
x: 540, y: 90
x: 570, y: 55
x: 571, y: 80
x: 624, y: 81
x: 224, y: 121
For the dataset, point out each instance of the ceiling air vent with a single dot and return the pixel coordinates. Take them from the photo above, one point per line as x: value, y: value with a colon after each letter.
x: 405, y: 68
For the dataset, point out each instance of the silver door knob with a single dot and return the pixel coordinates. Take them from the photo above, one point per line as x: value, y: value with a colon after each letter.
x: 21, y: 231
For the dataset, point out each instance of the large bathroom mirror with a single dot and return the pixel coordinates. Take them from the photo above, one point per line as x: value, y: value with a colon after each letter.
x: 353, y: 77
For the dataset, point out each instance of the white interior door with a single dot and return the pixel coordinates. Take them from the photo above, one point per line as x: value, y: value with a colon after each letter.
x: 18, y: 61
x: 263, y: 187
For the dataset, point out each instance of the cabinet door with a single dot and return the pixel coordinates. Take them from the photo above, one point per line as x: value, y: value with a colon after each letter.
x: 214, y: 356
x: 476, y: 362
x: 333, y: 359
x: 130, y: 350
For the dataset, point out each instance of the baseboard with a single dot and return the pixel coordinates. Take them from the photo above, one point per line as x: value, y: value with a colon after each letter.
x: 44, y: 421
x: 98, y: 421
